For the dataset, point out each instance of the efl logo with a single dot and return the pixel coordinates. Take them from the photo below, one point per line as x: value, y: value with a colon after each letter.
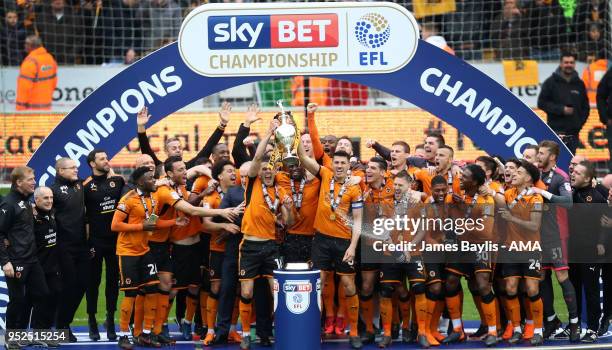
x: 272, y: 31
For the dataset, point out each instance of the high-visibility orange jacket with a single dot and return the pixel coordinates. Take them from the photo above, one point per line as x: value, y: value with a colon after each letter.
x: 37, y: 80
x: 591, y: 76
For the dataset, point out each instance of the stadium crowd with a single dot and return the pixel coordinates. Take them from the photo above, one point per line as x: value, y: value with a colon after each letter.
x: 120, y: 31
x: 207, y: 233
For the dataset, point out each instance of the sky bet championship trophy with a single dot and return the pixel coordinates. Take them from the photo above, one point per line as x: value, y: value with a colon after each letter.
x: 286, y: 137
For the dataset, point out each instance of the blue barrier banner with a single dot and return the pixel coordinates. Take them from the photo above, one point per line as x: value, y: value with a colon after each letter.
x: 440, y: 83
x: 297, y: 309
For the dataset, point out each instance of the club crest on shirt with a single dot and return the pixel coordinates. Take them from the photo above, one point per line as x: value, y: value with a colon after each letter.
x: 112, y: 184
x: 567, y: 187
x: 21, y: 205
x: 64, y: 189
x: 589, y: 199
x: 93, y: 187
x: 78, y: 186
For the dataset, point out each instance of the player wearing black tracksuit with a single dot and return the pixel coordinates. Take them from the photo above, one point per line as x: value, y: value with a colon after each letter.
x: 28, y: 280
x: 102, y: 193
x: 69, y: 202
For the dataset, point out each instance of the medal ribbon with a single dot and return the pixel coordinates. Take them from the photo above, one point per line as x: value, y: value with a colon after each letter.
x: 298, y: 196
x: 272, y: 206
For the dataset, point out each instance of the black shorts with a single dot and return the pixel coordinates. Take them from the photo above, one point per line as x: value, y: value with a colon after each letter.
x: 136, y: 271
x: 258, y: 259
x: 216, y: 261
x: 186, y: 261
x: 297, y: 248
x: 414, y: 271
x: 435, y: 264
x: 554, y: 256
x: 327, y: 254
x: 205, y: 249
x: 161, y: 255
x: 474, y: 262
x: 523, y: 265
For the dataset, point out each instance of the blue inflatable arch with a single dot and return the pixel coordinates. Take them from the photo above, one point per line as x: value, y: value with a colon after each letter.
x: 435, y: 81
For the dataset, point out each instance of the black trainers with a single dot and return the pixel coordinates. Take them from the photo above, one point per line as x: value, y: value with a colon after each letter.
x: 516, y: 338
x: 407, y: 336
x: 367, y: 337
x: 490, y: 340
x: 454, y: 337
x: 551, y: 327
x: 603, y: 326
x: 395, y: 331
x: 125, y: 343
x: 109, y: 325
x: 536, y: 340
x: 355, y: 342
x: 423, y: 342
x: 163, y: 340
x: 589, y: 337
x: 148, y: 340
x: 480, y: 332
x: 574, y: 332
x: 71, y: 336
x: 94, y: 333
x: 246, y: 342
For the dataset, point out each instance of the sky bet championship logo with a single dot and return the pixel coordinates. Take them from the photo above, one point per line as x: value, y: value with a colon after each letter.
x: 297, y: 38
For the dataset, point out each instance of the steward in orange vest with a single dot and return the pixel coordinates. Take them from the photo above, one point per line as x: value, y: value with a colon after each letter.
x: 591, y: 76
x: 37, y: 77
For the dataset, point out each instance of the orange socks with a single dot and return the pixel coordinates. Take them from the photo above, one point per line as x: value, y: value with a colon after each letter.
x: 245, y: 315
x: 537, y: 310
x: 163, y: 301
x: 211, y: 310
x: 489, y: 311
x: 352, y: 304
x: 453, y: 303
x: 513, y: 310
x: 404, y: 306
x: 192, y: 305
x: 342, y: 304
x: 203, y: 307
x: 329, y: 289
x: 138, y: 314
x: 386, y: 315
x: 422, y: 316
x: 127, y: 306
x: 150, y: 311
x: 366, y: 306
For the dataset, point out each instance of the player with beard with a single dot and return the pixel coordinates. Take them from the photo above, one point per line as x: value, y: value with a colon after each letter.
x: 475, y: 266
x: 378, y: 199
x: 558, y: 196
x: 337, y: 237
x: 224, y: 173
x: 587, y: 244
x: 523, y: 215
x: 269, y: 210
x: 304, y: 188
x: 408, y: 265
x: 443, y: 167
x: 102, y: 193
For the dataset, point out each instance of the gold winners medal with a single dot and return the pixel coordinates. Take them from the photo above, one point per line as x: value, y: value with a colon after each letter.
x: 332, y: 216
